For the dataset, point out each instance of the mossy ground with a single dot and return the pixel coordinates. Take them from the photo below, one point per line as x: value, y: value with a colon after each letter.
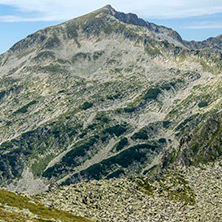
x: 176, y: 188
x: 171, y: 185
x: 22, y: 202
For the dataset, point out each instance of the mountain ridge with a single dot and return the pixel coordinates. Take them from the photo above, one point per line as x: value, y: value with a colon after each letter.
x: 96, y: 97
x: 162, y: 32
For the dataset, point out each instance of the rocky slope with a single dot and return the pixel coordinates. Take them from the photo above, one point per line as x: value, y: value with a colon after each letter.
x: 212, y: 44
x: 185, y: 194
x: 100, y: 96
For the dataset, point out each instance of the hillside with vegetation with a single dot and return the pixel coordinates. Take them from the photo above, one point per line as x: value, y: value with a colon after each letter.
x: 108, y: 95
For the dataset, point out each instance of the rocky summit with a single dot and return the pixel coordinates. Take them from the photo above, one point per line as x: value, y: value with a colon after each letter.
x: 117, y: 117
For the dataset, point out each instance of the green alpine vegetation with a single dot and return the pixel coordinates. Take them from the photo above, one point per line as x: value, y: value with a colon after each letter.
x: 15, y: 207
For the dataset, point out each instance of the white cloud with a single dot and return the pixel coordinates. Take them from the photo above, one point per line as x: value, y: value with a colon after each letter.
x: 10, y: 18
x: 51, y: 10
x: 205, y: 25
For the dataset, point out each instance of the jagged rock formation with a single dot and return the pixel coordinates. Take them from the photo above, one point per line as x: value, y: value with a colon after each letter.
x: 100, y: 96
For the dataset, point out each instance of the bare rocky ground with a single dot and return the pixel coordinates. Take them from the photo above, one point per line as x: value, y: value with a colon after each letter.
x: 127, y: 200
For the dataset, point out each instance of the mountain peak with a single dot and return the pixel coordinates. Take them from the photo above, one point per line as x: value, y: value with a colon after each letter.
x: 99, y: 97
x: 108, y: 7
x: 94, y: 22
x: 160, y: 31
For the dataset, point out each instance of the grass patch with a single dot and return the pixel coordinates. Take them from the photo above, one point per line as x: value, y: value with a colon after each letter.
x: 141, y: 134
x: 24, y: 109
x: 113, y: 97
x: 6, y: 145
x: 2, y: 94
x: 40, y: 164
x: 98, y: 54
x: 203, y: 104
x: 69, y: 160
x: 53, y: 69
x: 116, y: 174
x: 166, y: 124
x: 177, y: 188
x: 102, y: 118
x: 52, y: 42
x: 86, y: 105
x: 116, y: 130
x: 71, y: 30
x: 152, y: 93
x: 135, y: 154
x: 81, y: 56
x: 162, y: 140
x: 153, y: 51
x: 121, y: 144
x: 45, y: 55
x: 22, y: 202
x: 186, y: 122
x: 19, y: 56
x: 146, y: 187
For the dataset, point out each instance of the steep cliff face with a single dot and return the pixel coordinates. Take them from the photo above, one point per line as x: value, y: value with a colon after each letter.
x: 101, y: 96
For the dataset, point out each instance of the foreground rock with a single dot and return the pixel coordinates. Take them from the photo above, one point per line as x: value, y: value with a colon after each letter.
x: 129, y: 200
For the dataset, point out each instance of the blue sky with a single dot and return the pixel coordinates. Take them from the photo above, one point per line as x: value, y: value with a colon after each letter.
x: 193, y: 19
